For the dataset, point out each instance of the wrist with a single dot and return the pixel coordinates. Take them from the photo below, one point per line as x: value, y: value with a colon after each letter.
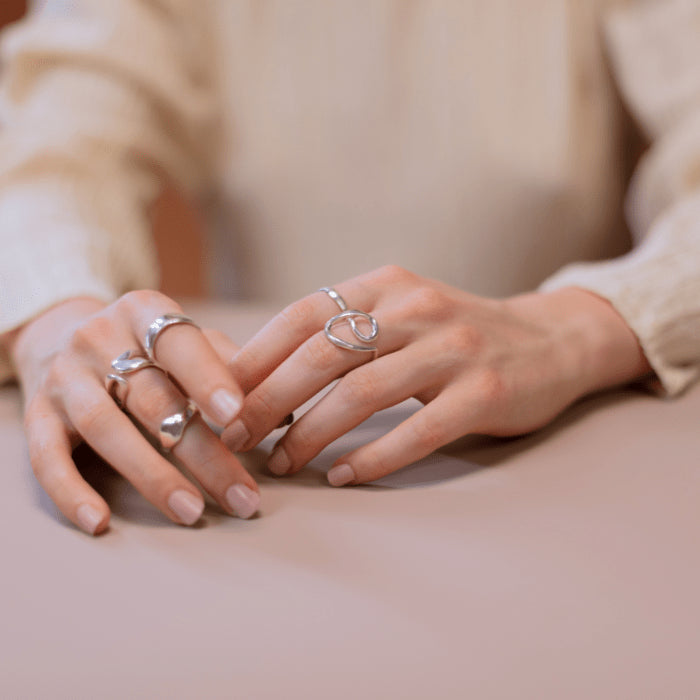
x: 596, y: 345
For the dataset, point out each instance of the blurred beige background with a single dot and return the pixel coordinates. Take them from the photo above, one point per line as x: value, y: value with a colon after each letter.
x: 175, y: 221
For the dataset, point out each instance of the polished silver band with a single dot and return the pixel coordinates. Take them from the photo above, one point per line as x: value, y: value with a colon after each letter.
x: 350, y: 316
x: 130, y: 361
x: 118, y: 388
x: 335, y: 296
x: 158, y: 326
x: 173, y: 427
x: 116, y: 383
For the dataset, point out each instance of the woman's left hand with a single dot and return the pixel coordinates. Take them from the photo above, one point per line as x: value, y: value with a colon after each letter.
x: 496, y: 367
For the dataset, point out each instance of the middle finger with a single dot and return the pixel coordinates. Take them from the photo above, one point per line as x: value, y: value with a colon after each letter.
x: 152, y: 397
x: 310, y: 368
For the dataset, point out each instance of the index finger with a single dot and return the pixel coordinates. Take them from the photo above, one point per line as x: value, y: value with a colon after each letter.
x: 293, y: 326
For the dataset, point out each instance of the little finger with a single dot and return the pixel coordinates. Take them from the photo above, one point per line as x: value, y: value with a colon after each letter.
x: 441, y: 421
x: 51, y: 458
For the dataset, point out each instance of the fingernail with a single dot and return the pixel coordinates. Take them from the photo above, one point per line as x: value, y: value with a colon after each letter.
x: 186, y: 506
x: 88, y: 517
x: 279, y: 463
x: 340, y: 475
x: 243, y: 501
x: 236, y: 436
x: 225, y: 404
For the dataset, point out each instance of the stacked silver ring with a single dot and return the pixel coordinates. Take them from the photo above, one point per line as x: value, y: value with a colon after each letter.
x: 172, y: 427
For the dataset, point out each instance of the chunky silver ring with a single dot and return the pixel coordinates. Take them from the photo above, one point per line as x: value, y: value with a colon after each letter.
x: 130, y: 361
x: 350, y: 316
x: 173, y: 427
x: 118, y: 388
x: 158, y: 326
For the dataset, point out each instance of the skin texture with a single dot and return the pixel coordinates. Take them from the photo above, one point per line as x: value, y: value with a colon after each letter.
x: 62, y: 358
x: 499, y: 367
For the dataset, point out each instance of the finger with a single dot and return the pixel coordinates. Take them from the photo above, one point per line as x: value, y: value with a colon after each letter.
x: 310, y: 368
x: 114, y: 437
x: 367, y: 389
x: 184, y: 352
x: 279, y: 338
x: 151, y: 399
x: 53, y: 466
x: 439, y: 422
x: 223, y: 346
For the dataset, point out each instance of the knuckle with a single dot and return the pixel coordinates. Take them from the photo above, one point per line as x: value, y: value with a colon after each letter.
x: 394, y: 273
x: 152, y: 402
x: 299, y: 315
x: 370, y: 463
x: 492, y: 387
x: 428, y: 302
x: 429, y: 434
x: 93, y: 418
x: 358, y: 388
x: 464, y: 340
x: 57, y: 374
x: 320, y: 354
x: 260, y: 406
x: 139, y: 299
x: 92, y: 334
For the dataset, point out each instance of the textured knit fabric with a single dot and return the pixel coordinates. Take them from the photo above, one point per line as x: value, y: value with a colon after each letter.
x: 483, y: 144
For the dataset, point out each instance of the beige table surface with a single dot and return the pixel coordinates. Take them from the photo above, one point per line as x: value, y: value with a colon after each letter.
x: 564, y: 564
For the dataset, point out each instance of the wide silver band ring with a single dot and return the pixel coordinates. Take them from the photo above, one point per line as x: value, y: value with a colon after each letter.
x: 158, y: 326
x: 173, y: 427
x: 350, y: 316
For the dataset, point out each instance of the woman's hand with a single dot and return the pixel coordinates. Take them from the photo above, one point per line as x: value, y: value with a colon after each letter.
x: 63, y: 357
x: 497, y: 367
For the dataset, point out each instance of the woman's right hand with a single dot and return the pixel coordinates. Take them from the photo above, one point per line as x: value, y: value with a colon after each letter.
x: 62, y: 359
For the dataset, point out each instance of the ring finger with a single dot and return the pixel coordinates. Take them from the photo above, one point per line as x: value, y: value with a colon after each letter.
x: 310, y: 368
x: 151, y: 399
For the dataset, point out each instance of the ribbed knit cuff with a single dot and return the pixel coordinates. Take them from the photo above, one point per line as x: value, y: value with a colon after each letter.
x: 656, y: 289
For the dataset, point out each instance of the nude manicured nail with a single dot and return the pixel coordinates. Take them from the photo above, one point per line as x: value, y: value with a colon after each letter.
x: 186, y: 506
x: 243, y: 501
x: 225, y: 404
x: 340, y: 475
x: 236, y: 436
x: 279, y: 462
x: 88, y: 517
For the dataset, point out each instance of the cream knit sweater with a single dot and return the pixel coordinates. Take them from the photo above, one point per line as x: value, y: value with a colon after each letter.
x: 482, y: 143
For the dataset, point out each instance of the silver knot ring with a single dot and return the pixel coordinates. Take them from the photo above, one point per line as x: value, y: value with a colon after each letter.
x: 350, y: 316
x: 158, y: 326
x: 173, y: 427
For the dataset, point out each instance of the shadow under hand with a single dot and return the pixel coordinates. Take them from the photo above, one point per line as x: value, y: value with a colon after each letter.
x: 469, y: 454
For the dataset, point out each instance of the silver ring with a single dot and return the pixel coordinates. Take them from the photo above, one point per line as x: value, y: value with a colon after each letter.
x: 335, y: 296
x: 173, y: 427
x: 130, y: 361
x: 158, y: 326
x: 350, y: 316
x: 118, y: 388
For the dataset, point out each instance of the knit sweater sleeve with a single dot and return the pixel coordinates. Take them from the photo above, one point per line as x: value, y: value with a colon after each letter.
x: 655, y: 52
x: 99, y: 100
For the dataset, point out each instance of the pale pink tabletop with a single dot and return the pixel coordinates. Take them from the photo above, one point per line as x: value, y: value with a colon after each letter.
x: 564, y: 564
